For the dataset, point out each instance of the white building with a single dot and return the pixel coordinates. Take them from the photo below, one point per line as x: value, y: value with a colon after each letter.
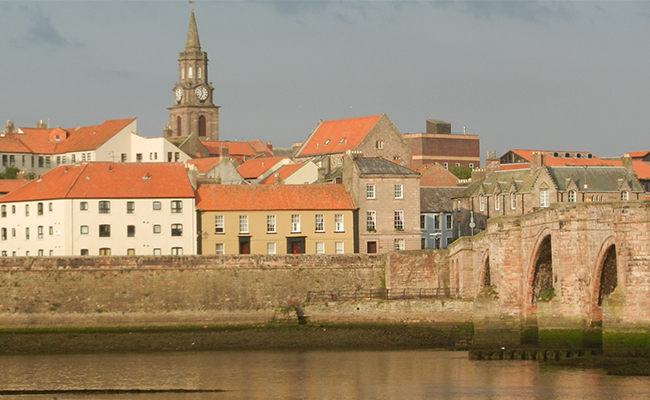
x: 101, y: 208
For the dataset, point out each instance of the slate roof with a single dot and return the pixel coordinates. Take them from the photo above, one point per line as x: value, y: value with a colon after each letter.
x: 273, y: 197
x: 438, y: 199
x: 338, y: 136
x: 108, y: 181
x: 381, y: 166
x: 83, y: 138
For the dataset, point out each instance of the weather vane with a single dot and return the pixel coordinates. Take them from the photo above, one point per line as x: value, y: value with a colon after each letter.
x: 192, y: 3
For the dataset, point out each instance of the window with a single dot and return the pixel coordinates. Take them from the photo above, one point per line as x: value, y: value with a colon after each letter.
x: 399, y: 244
x: 104, y: 251
x: 3, y: 211
x: 104, y: 207
x: 104, y: 231
x: 51, y: 232
x: 13, y: 232
x: 41, y: 253
x: 27, y: 253
x: 371, y: 221
x: 13, y: 209
x: 157, y: 252
x: 4, y: 253
x: 40, y: 231
x: 51, y: 253
x: 123, y: 157
x: 130, y: 252
x: 379, y: 144
x: 625, y: 195
x: 270, y: 224
x: 177, y: 229
x: 496, y: 202
x: 40, y: 161
x: 320, y: 247
x: 83, y: 206
x: 370, y: 191
x: 450, y: 221
x: 177, y: 251
x: 270, y: 248
x: 130, y: 207
x: 138, y: 157
x: 436, y: 222
x: 446, y: 165
x: 130, y: 231
x: 513, y: 201
x: 83, y: 156
x: 320, y: 223
x: 339, y: 248
x: 423, y: 222
x: 471, y: 165
x: 398, y: 190
x: 157, y: 206
x: 481, y: 202
x: 177, y: 156
x: 295, y: 223
x: 50, y: 207
x: 84, y: 252
x: 27, y: 210
x: 572, y: 196
x: 243, y: 224
x: 218, y: 224
x: 338, y: 223
x: 177, y: 206
x: 399, y: 220
x: 543, y: 198
x: 423, y: 243
x: 48, y: 162
x: 27, y: 233
x: 3, y: 233
x: 219, y: 248
x: 84, y: 229
x: 157, y: 229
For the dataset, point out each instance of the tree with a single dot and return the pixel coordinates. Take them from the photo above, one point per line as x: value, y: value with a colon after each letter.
x: 461, y: 172
x: 9, y: 173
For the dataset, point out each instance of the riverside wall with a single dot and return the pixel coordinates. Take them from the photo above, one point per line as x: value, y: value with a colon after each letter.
x: 215, y: 290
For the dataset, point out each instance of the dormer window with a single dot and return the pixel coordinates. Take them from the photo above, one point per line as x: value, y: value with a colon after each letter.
x: 57, y: 138
x: 625, y: 195
x: 567, y: 155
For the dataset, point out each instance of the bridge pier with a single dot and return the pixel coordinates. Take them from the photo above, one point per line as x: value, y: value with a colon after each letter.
x: 493, y: 327
x: 558, y: 329
x: 624, y: 331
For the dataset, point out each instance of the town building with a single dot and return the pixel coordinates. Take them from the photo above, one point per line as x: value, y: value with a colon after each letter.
x: 275, y: 219
x: 220, y: 170
x: 519, y: 191
x: 387, y: 196
x: 101, y: 208
x: 193, y: 112
x: 373, y: 136
x: 437, y: 221
x: 294, y: 174
x: 439, y: 145
x: 257, y: 170
x: 434, y: 175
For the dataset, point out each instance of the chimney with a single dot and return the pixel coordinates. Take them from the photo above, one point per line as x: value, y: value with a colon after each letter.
x: 627, y: 163
x: 276, y: 178
x: 269, y: 145
x: 41, y: 124
x: 492, y: 163
x: 167, y: 131
x: 224, y: 152
x: 9, y: 127
x: 20, y: 175
x: 537, y: 161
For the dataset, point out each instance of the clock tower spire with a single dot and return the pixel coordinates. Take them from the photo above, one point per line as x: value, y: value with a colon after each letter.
x: 193, y: 111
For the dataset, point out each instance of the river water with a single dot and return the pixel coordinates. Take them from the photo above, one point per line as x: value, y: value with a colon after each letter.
x: 400, y: 374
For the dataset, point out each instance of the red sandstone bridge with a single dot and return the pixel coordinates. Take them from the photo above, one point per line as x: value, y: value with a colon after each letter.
x: 569, y: 268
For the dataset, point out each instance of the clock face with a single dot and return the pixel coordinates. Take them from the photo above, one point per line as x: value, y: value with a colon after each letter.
x: 178, y: 94
x: 201, y: 93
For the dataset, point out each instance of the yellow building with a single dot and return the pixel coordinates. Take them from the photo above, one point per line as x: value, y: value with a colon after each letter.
x: 276, y: 219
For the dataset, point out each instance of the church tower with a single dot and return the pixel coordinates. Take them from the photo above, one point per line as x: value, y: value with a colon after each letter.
x: 193, y: 111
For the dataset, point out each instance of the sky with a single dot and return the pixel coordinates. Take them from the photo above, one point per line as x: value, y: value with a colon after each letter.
x: 521, y: 74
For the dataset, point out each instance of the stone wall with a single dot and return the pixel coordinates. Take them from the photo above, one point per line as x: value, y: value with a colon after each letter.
x: 188, y: 290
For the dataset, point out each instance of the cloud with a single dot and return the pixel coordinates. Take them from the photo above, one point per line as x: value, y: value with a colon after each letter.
x: 527, y: 10
x: 40, y: 30
x: 293, y: 7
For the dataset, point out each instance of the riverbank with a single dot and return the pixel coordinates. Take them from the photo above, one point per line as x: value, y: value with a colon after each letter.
x: 207, y: 338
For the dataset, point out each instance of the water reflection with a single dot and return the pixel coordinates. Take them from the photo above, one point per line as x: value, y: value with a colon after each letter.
x: 311, y: 375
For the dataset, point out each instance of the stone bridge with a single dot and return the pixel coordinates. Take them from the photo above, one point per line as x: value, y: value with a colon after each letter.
x: 571, y: 275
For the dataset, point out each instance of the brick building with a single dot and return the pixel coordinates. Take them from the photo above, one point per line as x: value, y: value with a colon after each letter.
x: 440, y: 145
x: 387, y: 196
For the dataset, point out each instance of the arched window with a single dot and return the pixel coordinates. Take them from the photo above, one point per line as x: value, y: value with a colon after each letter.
x: 202, y: 126
x: 513, y: 201
x: 189, y: 73
x: 179, y: 130
x: 481, y: 203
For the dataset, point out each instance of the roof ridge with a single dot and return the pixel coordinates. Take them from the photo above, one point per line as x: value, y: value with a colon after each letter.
x: 74, y: 182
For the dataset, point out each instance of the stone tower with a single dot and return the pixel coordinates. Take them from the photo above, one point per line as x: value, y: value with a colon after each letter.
x: 193, y: 111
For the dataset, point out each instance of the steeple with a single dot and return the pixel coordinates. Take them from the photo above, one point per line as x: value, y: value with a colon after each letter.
x: 193, y: 43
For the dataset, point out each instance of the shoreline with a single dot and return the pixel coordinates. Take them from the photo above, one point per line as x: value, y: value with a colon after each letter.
x: 212, y: 338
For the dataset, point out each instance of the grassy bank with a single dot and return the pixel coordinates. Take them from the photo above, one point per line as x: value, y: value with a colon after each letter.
x: 70, y: 341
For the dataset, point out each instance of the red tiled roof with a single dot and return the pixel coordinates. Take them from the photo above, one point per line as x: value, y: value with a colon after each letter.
x: 251, y: 169
x: 234, y: 148
x: 273, y: 197
x: 261, y: 147
x: 107, y: 180
x: 638, y: 154
x: 84, y: 138
x: 204, y: 165
x: 339, y: 135
x: 8, y: 185
x: 284, y: 172
x: 556, y: 161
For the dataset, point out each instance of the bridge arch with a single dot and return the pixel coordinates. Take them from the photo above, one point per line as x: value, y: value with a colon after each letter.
x: 540, y: 275
x: 605, y: 277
